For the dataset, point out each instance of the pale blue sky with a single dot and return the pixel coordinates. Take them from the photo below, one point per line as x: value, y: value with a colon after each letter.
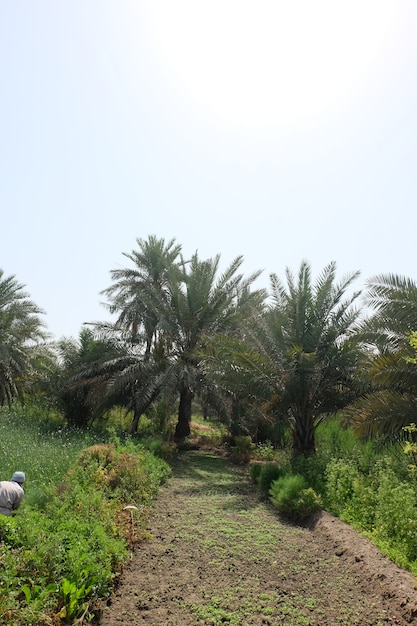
x: 281, y: 131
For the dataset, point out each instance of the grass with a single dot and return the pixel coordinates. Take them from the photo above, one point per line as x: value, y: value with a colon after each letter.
x: 42, y: 450
x: 245, y: 564
x: 62, y: 551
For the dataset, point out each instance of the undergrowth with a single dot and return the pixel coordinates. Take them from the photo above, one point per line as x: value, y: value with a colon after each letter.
x: 61, y: 553
x: 369, y: 484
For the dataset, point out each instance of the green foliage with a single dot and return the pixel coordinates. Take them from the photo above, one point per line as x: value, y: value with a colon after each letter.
x: 265, y: 451
x: 342, y: 476
x: 45, y: 452
x: 410, y: 447
x: 255, y: 471
x: 396, y: 514
x: 268, y: 473
x: 21, y: 336
x: 62, y: 551
x: 9, y: 534
x: 163, y: 449
x: 293, y: 498
x: 242, y: 449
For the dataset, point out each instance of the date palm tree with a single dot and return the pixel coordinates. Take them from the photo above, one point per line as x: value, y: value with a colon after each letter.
x: 153, y: 263
x: 307, y: 357
x: 21, y: 332
x: 201, y: 306
x: 189, y: 302
x: 390, y: 402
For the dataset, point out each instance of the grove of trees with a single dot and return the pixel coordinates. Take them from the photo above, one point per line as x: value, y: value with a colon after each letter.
x: 262, y: 361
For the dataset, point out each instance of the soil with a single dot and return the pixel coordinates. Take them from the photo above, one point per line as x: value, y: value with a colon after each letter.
x: 220, y: 554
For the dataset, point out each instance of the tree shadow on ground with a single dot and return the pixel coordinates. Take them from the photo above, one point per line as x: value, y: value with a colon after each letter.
x: 211, y: 475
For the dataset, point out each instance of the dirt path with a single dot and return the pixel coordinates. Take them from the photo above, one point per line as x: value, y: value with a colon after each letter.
x: 220, y: 555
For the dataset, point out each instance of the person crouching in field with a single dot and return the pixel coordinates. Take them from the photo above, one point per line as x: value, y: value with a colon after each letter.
x: 11, y: 493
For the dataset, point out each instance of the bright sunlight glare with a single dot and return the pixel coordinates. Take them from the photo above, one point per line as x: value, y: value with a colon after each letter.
x: 269, y: 64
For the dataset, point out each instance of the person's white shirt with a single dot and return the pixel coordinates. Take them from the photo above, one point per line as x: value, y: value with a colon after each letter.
x: 11, y: 496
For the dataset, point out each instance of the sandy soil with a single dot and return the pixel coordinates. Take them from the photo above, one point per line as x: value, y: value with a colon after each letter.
x: 221, y: 555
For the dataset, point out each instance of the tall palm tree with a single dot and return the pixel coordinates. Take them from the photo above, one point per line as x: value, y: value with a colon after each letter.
x: 308, y: 359
x: 391, y: 399
x: 21, y: 332
x: 204, y: 304
x: 392, y: 300
x: 154, y: 264
x: 191, y: 303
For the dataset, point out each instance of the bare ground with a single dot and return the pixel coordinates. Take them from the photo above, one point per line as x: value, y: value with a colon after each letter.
x: 219, y: 554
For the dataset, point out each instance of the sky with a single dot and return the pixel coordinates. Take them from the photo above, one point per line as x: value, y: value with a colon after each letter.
x: 278, y: 130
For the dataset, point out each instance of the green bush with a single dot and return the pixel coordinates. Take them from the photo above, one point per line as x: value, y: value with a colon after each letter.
x: 396, y: 515
x: 265, y: 451
x: 342, y: 476
x: 254, y: 471
x: 242, y: 449
x: 269, y: 472
x: 163, y: 449
x: 293, y: 498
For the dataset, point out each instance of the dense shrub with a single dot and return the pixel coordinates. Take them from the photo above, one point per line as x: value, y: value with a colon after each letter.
x: 396, y: 514
x: 342, y: 476
x: 269, y: 472
x: 163, y: 449
x: 242, y: 449
x: 293, y: 498
x: 254, y: 471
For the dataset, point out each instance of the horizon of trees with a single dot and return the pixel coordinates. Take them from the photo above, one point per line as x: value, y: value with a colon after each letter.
x: 261, y: 360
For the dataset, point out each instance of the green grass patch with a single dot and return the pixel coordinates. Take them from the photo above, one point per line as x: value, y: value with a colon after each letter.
x: 62, y: 551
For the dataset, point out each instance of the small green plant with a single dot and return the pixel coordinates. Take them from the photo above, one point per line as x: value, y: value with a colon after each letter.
x: 163, y: 449
x: 265, y: 451
x: 410, y: 447
x: 255, y: 471
x: 269, y: 472
x: 242, y: 449
x: 341, y: 475
x: 73, y: 599
x: 293, y: 498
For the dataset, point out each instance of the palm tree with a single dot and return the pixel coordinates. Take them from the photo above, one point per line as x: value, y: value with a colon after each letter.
x: 202, y: 306
x: 307, y: 357
x: 82, y: 372
x: 155, y: 262
x: 191, y: 303
x: 390, y: 402
x: 21, y: 333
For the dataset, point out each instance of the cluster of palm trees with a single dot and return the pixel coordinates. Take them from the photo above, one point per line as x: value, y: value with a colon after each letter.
x: 263, y: 361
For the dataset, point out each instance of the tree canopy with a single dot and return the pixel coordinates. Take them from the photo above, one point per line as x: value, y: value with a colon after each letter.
x: 22, y: 330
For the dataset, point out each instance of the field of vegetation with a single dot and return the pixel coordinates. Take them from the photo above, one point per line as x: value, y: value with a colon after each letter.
x: 62, y: 551
x: 220, y: 554
x: 313, y: 384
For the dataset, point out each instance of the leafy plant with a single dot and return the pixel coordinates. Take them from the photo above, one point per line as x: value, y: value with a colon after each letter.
x: 62, y: 551
x: 269, y: 472
x: 255, y: 471
x: 341, y: 475
x: 242, y: 449
x: 293, y: 498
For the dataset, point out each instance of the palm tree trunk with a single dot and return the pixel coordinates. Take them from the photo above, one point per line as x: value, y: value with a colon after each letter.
x: 303, y: 437
x: 135, y: 421
x: 182, y: 429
